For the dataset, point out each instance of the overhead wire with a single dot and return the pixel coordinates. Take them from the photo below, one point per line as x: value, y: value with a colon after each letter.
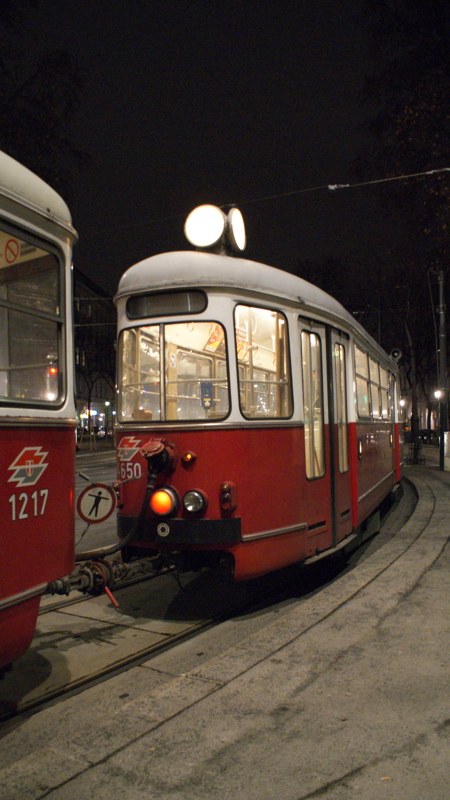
x: 332, y: 187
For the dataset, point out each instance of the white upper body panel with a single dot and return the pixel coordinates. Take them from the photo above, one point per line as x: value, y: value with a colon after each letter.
x: 24, y: 188
x: 178, y: 270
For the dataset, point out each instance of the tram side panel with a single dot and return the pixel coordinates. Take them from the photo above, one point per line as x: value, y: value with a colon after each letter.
x: 376, y: 475
x: 37, y: 512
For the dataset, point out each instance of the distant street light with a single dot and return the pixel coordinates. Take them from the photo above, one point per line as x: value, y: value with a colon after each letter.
x: 107, y: 405
x: 443, y: 372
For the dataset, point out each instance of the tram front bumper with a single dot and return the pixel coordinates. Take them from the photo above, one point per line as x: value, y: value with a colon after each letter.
x: 177, y: 532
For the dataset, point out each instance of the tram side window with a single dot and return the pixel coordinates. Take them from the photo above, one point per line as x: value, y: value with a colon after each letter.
x: 31, y: 323
x: 341, y: 405
x: 384, y: 393
x: 372, y: 387
x: 173, y: 372
x: 375, y: 388
x: 313, y: 404
x: 391, y: 396
x: 262, y: 347
x: 362, y: 382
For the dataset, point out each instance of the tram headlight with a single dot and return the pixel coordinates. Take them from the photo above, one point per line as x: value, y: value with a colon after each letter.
x: 236, y: 229
x: 195, y: 501
x: 205, y: 226
x: 165, y: 502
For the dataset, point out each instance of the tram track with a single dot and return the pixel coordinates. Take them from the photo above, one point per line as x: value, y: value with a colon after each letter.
x: 80, y: 609
x: 80, y: 641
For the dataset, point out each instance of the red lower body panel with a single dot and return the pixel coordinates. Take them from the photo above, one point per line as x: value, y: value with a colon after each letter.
x: 17, y: 625
x: 37, y: 481
x: 280, y: 516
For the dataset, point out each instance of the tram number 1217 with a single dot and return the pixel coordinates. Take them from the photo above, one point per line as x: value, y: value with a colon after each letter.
x: 25, y: 505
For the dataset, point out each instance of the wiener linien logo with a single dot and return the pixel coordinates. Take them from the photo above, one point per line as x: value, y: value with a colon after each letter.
x: 28, y: 466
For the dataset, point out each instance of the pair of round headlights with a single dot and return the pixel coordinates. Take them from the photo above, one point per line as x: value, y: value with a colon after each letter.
x: 166, y: 502
x: 207, y: 226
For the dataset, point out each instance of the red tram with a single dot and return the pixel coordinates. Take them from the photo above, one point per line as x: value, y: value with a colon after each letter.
x: 37, y: 408
x: 256, y: 420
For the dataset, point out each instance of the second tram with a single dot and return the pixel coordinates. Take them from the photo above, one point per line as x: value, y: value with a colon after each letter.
x: 256, y: 420
x: 37, y: 406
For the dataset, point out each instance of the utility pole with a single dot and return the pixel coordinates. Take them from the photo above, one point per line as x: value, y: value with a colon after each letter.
x: 442, y: 371
x: 415, y: 454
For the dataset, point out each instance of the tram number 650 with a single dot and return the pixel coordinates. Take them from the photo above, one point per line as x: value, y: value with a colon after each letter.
x: 130, y: 470
x: 26, y: 505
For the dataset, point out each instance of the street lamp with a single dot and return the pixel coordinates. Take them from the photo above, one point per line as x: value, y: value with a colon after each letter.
x: 107, y: 405
x: 443, y: 372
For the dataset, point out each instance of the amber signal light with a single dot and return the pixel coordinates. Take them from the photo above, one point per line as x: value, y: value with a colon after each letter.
x: 188, y: 458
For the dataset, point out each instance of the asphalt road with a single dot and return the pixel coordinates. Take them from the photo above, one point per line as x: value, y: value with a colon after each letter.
x: 339, y: 696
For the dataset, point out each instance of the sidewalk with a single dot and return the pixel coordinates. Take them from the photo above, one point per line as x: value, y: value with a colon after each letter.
x: 344, y: 695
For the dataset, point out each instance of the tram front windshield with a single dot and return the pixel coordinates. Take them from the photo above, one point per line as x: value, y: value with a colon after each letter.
x: 31, y: 323
x: 176, y: 371
x: 179, y: 371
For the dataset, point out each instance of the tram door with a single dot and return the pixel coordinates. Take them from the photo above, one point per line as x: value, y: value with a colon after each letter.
x: 338, y: 354
x: 325, y: 354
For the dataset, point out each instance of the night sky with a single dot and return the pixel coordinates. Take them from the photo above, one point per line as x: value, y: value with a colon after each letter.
x: 200, y: 101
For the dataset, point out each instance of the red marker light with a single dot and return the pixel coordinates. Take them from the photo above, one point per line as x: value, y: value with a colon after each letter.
x: 228, y: 496
x: 164, y: 501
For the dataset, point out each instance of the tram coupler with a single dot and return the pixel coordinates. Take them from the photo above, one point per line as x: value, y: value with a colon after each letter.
x: 160, y: 455
x: 100, y: 575
x: 89, y: 577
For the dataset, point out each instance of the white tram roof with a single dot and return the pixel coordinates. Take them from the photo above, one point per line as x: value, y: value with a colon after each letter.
x: 188, y: 269
x: 22, y: 186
